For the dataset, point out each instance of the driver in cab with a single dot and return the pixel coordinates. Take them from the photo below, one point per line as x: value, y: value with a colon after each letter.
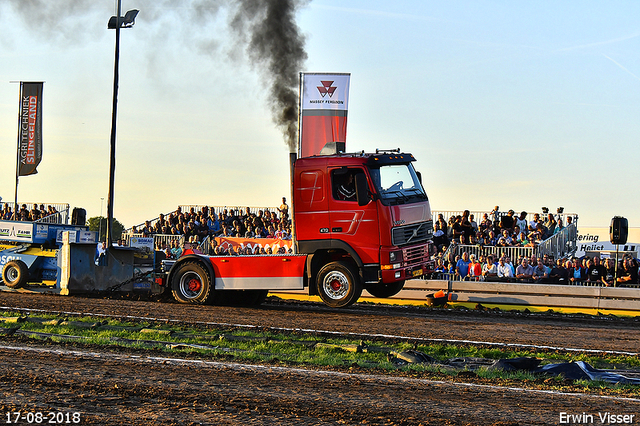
x: 347, y: 190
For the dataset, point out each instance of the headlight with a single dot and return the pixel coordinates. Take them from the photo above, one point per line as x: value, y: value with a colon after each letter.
x: 395, y: 256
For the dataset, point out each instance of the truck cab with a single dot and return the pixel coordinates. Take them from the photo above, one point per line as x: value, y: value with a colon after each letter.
x: 366, y: 213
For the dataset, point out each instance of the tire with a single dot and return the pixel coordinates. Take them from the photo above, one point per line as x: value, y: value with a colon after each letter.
x: 192, y: 283
x: 385, y: 290
x: 338, y: 285
x: 15, y: 274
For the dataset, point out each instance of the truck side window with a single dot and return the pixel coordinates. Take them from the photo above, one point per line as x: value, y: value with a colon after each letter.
x: 343, y: 184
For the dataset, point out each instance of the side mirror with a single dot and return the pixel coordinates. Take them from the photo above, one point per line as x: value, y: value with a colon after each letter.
x: 419, y: 176
x: 362, y: 189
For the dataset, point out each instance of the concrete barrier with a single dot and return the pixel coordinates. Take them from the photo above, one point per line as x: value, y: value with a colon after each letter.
x: 535, y: 297
x: 539, y: 295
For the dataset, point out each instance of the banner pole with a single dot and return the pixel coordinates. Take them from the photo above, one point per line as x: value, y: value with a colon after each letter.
x: 300, y: 114
x: 15, y: 199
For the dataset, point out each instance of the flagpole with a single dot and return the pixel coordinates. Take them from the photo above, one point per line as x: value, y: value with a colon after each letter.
x: 15, y: 199
x: 300, y: 114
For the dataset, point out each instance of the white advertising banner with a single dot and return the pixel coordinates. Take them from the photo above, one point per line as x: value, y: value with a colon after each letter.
x: 324, y: 105
x: 325, y: 91
x: 598, y: 239
x: 15, y: 231
x: 145, y: 253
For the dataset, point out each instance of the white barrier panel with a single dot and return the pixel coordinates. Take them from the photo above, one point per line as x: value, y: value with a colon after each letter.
x: 497, y: 293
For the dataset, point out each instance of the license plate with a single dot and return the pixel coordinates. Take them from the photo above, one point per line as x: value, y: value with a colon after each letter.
x: 417, y: 272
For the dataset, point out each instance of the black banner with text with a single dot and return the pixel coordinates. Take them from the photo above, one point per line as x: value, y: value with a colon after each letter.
x: 30, y: 134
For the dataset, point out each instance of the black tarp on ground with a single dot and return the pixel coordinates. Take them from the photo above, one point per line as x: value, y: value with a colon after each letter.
x: 578, y: 370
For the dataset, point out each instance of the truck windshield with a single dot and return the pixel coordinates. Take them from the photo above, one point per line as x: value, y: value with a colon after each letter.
x: 398, y: 184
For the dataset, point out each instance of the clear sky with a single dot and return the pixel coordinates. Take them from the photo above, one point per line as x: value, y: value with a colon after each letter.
x: 519, y: 104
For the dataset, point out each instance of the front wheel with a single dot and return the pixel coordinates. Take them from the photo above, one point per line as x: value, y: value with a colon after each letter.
x: 338, y: 285
x: 15, y: 274
x: 192, y: 283
x: 385, y: 290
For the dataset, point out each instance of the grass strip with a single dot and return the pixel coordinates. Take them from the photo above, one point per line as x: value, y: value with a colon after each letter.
x: 308, y: 349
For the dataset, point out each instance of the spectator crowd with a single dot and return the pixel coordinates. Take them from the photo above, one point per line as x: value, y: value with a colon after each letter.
x: 27, y: 215
x: 496, y: 229
x: 544, y: 270
x: 508, y: 230
x: 195, y: 226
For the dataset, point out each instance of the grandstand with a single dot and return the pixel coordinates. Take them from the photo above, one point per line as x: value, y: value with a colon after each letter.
x: 559, y: 245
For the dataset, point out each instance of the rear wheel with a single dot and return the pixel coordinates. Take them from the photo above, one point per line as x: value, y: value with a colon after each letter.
x: 338, y: 285
x: 15, y: 274
x: 385, y: 290
x: 192, y: 283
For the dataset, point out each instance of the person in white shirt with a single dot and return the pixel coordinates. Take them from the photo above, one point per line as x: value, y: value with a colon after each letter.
x: 489, y: 270
x: 504, y: 270
x: 101, y: 249
x: 521, y: 221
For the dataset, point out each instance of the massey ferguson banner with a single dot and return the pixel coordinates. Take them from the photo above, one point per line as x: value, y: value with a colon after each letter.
x: 324, y: 105
x: 30, y: 133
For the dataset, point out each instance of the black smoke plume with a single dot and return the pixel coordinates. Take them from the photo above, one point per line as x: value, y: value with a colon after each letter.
x: 276, y: 47
x: 265, y: 29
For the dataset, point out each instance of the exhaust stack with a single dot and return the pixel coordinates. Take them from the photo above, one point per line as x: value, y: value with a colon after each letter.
x: 292, y: 162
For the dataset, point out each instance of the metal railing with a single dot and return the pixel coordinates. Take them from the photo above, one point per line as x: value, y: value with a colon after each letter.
x: 513, y: 252
x: 219, y: 209
x: 158, y: 239
x: 60, y: 217
x: 186, y: 208
x: 446, y: 214
x: 561, y: 244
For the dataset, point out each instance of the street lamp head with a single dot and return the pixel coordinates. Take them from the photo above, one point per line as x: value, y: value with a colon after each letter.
x: 126, y: 21
x: 130, y: 17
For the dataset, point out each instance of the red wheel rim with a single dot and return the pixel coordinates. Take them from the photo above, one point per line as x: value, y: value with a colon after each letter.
x: 335, y: 285
x: 194, y: 285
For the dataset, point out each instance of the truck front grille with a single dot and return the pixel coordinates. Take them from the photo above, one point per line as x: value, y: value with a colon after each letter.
x: 412, y: 234
x: 416, y: 254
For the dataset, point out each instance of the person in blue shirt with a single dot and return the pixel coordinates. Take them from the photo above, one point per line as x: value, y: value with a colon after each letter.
x: 462, y: 267
x: 213, y: 223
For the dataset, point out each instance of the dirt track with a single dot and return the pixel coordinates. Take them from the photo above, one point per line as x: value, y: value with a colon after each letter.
x: 137, y: 388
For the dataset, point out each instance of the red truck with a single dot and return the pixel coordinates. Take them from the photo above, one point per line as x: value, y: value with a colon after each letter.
x: 360, y: 221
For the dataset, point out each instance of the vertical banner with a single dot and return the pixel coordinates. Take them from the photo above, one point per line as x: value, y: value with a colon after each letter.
x: 30, y: 131
x: 323, y: 109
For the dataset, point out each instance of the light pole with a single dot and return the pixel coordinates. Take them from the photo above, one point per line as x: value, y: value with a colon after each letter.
x: 115, y: 22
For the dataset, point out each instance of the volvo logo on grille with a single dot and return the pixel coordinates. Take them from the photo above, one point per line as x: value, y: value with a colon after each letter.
x: 398, y: 222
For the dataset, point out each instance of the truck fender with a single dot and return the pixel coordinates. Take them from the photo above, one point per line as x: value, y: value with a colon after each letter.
x: 318, y: 249
x: 313, y: 246
x: 204, y: 260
